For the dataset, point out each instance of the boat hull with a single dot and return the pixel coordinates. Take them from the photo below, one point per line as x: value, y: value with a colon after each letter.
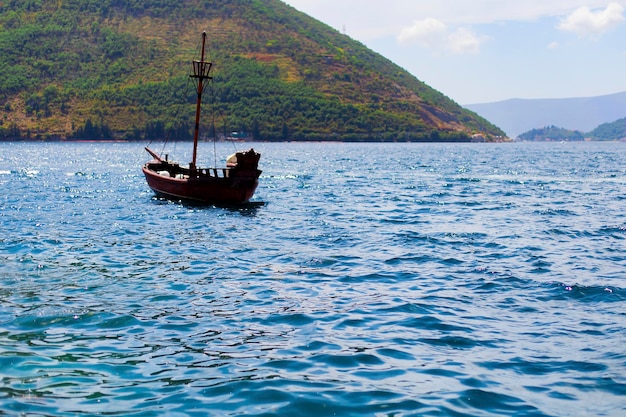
x: 206, y: 189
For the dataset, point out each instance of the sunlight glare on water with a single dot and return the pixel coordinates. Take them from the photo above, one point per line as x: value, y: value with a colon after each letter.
x: 367, y: 279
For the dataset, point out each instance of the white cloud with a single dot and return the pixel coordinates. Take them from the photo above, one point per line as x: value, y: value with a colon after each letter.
x: 367, y: 19
x: 464, y: 41
x: 584, y: 21
x: 434, y: 34
x: 553, y: 45
x: 428, y: 32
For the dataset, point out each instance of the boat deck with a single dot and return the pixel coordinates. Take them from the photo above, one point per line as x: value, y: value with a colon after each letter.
x: 171, y: 170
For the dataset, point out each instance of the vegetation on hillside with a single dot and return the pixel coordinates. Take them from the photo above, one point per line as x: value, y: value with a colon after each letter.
x: 610, y: 131
x: 552, y: 133
x: 118, y: 69
x: 606, y: 131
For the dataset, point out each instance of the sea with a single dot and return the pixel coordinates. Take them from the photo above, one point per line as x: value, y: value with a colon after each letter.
x: 396, y: 279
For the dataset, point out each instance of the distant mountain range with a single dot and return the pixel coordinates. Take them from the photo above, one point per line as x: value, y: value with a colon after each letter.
x: 517, y: 116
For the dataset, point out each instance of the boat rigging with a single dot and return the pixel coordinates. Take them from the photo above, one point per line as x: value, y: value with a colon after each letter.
x: 233, y: 184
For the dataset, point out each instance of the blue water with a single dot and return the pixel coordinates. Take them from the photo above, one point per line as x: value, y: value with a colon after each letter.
x: 375, y: 280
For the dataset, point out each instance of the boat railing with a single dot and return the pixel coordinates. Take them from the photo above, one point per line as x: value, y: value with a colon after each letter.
x: 214, y: 172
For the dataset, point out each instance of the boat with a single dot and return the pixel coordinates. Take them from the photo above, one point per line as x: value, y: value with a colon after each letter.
x: 230, y: 185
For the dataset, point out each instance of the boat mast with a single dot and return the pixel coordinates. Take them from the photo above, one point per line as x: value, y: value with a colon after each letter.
x: 201, y: 71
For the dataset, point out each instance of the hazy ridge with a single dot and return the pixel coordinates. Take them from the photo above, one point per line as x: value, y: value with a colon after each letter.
x: 516, y: 116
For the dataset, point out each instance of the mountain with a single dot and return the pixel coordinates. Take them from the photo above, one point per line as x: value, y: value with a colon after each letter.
x: 110, y: 69
x: 552, y: 133
x: 516, y: 116
x: 606, y: 131
x: 610, y: 131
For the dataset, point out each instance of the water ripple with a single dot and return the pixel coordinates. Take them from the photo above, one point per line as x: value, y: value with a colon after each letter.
x: 471, y: 280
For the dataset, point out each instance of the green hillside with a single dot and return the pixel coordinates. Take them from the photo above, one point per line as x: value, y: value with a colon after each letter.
x: 118, y: 69
x: 552, y: 133
x: 610, y: 131
x: 605, y: 132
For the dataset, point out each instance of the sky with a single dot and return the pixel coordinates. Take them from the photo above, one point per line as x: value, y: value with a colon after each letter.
x: 481, y: 51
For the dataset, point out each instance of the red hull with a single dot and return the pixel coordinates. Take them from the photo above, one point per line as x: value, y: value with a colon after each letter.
x: 204, y: 189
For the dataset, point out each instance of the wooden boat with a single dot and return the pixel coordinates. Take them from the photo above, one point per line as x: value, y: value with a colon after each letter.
x: 233, y: 184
